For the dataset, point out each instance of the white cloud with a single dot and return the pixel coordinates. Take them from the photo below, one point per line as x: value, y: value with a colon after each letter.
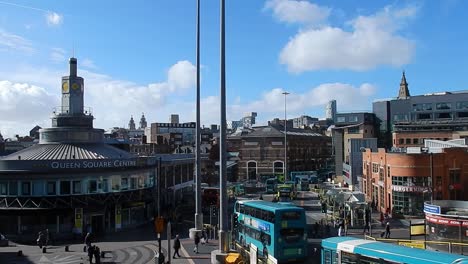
x: 112, y: 100
x: 87, y: 63
x: 372, y: 41
x: 54, y: 19
x: 291, y: 11
x: 9, y: 41
x: 23, y: 106
x: 182, y: 76
x: 271, y: 103
x: 58, y: 55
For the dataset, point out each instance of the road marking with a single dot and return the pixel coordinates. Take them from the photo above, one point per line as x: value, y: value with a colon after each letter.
x: 185, y: 254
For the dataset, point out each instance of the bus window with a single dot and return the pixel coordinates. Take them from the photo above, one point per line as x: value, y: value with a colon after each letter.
x: 327, y: 257
x: 242, y: 209
x: 348, y: 258
x: 292, y: 235
x: 368, y: 260
x: 292, y: 215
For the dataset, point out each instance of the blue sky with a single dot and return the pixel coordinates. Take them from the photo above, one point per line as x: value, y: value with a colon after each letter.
x: 139, y: 56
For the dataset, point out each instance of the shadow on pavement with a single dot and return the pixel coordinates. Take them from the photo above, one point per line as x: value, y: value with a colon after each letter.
x: 12, y: 257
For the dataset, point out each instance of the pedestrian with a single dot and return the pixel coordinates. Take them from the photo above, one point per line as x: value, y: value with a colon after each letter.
x: 176, y: 247
x: 340, y: 227
x: 366, y: 228
x: 382, y: 218
x: 47, y: 236
x: 197, y: 241
x: 40, y: 239
x: 204, y: 238
x: 90, y: 254
x: 97, y: 254
x: 387, y: 230
x: 87, y: 240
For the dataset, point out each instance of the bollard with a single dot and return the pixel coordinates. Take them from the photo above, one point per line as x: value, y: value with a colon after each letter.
x: 66, y: 249
x: 44, y: 250
x: 20, y: 253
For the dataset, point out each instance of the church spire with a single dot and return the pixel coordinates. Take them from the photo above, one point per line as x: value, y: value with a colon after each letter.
x: 131, y: 124
x: 143, y: 123
x: 404, y: 91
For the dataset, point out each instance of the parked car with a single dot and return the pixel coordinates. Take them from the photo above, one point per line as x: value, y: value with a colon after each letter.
x: 3, y: 241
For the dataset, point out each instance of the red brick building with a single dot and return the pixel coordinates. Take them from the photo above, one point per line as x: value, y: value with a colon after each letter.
x: 401, y: 182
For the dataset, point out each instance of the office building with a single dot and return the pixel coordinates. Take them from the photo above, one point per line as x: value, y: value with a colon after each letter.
x: 407, y: 120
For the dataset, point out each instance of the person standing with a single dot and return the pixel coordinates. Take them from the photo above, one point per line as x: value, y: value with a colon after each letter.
x: 176, y: 247
x: 387, y: 230
x: 197, y: 241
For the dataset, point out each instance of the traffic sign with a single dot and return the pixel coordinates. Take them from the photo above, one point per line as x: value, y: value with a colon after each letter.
x: 159, y: 224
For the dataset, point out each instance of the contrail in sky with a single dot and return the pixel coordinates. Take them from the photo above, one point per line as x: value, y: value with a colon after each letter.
x: 26, y: 7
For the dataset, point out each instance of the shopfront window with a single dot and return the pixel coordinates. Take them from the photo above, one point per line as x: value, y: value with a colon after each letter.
x: 92, y: 186
x: 3, y: 188
x: 13, y: 190
x: 115, y: 183
x: 65, y: 187
x: 124, y: 184
x: 26, y: 188
x: 76, y: 187
x: 51, y: 187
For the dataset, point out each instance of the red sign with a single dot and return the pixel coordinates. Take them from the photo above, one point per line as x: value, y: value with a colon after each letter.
x: 445, y: 221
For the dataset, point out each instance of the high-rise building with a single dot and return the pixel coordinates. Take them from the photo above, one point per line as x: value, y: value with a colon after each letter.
x: 330, y: 110
x: 304, y: 121
x: 174, y: 119
x: 349, y: 126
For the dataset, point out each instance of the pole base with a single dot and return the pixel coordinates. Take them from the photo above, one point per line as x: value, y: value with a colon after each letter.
x: 217, y: 257
x: 199, y: 221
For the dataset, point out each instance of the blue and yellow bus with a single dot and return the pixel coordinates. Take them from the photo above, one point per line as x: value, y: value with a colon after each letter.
x: 337, y: 250
x: 277, y: 229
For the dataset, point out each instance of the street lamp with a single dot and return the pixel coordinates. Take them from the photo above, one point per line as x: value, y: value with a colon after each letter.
x: 285, y: 139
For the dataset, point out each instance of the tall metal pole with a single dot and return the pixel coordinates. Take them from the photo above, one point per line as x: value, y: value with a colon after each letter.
x: 198, y: 212
x: 285, y: 140
x: 432, y: 176
x: 223, y: 245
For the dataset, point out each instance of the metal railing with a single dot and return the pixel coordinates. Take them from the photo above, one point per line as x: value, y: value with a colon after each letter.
x: 446, y: 246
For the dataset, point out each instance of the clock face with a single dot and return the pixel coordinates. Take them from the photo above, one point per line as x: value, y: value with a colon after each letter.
x: 75, y: 86
x: 65, y: 87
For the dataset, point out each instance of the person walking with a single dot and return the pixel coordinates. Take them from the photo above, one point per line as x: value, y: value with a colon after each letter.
x: 176, y: 247
x: 87, y: 241
x: 97, y: 254
x: 387, y: 230
x: 197, y: 241
x: 90, y: 253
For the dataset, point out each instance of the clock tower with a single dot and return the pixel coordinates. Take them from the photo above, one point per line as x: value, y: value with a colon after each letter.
x: 72, y: 122
x: 72, y: 91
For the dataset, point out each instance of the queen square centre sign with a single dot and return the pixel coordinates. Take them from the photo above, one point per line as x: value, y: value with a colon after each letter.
x: 92, y: 164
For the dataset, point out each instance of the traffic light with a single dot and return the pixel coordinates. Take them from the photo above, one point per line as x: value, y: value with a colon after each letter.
x: 235, y: 221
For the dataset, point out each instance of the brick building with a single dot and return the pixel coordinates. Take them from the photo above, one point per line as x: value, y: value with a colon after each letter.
x: 261, y: 151
x: 401, y: 182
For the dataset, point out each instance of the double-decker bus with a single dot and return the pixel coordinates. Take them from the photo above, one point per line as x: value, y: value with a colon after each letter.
x: 276, y: 229
x: 337, y: 250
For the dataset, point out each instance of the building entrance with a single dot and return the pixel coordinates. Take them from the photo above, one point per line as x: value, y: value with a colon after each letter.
x: 97, y: 223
